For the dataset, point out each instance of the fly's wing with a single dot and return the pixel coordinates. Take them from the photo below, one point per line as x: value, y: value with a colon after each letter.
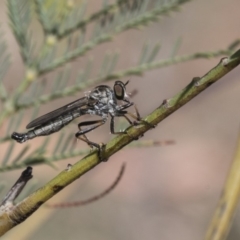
x: 58, y: 112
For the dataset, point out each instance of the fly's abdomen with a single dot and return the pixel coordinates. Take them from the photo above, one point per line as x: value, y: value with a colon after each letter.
x: 44, y: 130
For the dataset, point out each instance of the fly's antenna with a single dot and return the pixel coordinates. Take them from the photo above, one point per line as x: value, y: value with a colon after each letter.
x: 93, y: 199
x: 127, y: 82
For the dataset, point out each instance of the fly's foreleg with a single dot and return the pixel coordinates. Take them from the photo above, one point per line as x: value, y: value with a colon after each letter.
x: 125, y: 114
x: 139, y: 119
x: 112, y: 124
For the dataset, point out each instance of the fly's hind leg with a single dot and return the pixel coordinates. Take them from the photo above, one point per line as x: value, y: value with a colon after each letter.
x: 81, y: 134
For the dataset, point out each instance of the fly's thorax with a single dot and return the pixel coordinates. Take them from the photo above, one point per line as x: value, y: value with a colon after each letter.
x: 99, y: 92
x: 102, y: 98
x: 92, y: 112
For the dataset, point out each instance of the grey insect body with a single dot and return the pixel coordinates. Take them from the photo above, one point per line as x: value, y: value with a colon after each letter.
x: 102, y: 101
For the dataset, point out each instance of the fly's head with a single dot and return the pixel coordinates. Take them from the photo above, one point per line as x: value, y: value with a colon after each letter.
x: 120, y: 91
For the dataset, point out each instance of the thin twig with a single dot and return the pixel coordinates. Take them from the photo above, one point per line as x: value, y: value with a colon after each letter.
x: 93, y: 199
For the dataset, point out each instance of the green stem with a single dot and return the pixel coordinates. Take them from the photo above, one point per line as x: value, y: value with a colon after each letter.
x: 30, y: 204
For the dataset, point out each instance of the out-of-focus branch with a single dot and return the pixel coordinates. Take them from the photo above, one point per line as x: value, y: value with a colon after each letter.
x: 7, y: 205
x: 228, y: 202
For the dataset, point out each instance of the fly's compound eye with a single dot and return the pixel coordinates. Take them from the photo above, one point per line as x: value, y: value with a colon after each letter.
x: 119, y: 90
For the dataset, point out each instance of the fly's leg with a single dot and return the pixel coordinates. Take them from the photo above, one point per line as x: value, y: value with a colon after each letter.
x: 139, y: 119
x: 81, y: 134
x: 129, y: 121
x: 112, y: 128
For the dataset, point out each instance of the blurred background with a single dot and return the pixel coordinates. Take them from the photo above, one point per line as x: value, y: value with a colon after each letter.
x: 167, y: 192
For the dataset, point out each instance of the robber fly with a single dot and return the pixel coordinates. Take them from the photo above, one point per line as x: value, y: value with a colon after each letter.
x: 102, y: 101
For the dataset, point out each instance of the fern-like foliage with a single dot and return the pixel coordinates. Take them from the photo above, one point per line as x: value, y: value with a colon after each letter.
x: 4, y: 65
x: 69, y: 33
x: 20, y: 18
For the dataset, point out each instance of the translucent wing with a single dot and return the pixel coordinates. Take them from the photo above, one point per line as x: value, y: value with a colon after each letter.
x: 58, y: 112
